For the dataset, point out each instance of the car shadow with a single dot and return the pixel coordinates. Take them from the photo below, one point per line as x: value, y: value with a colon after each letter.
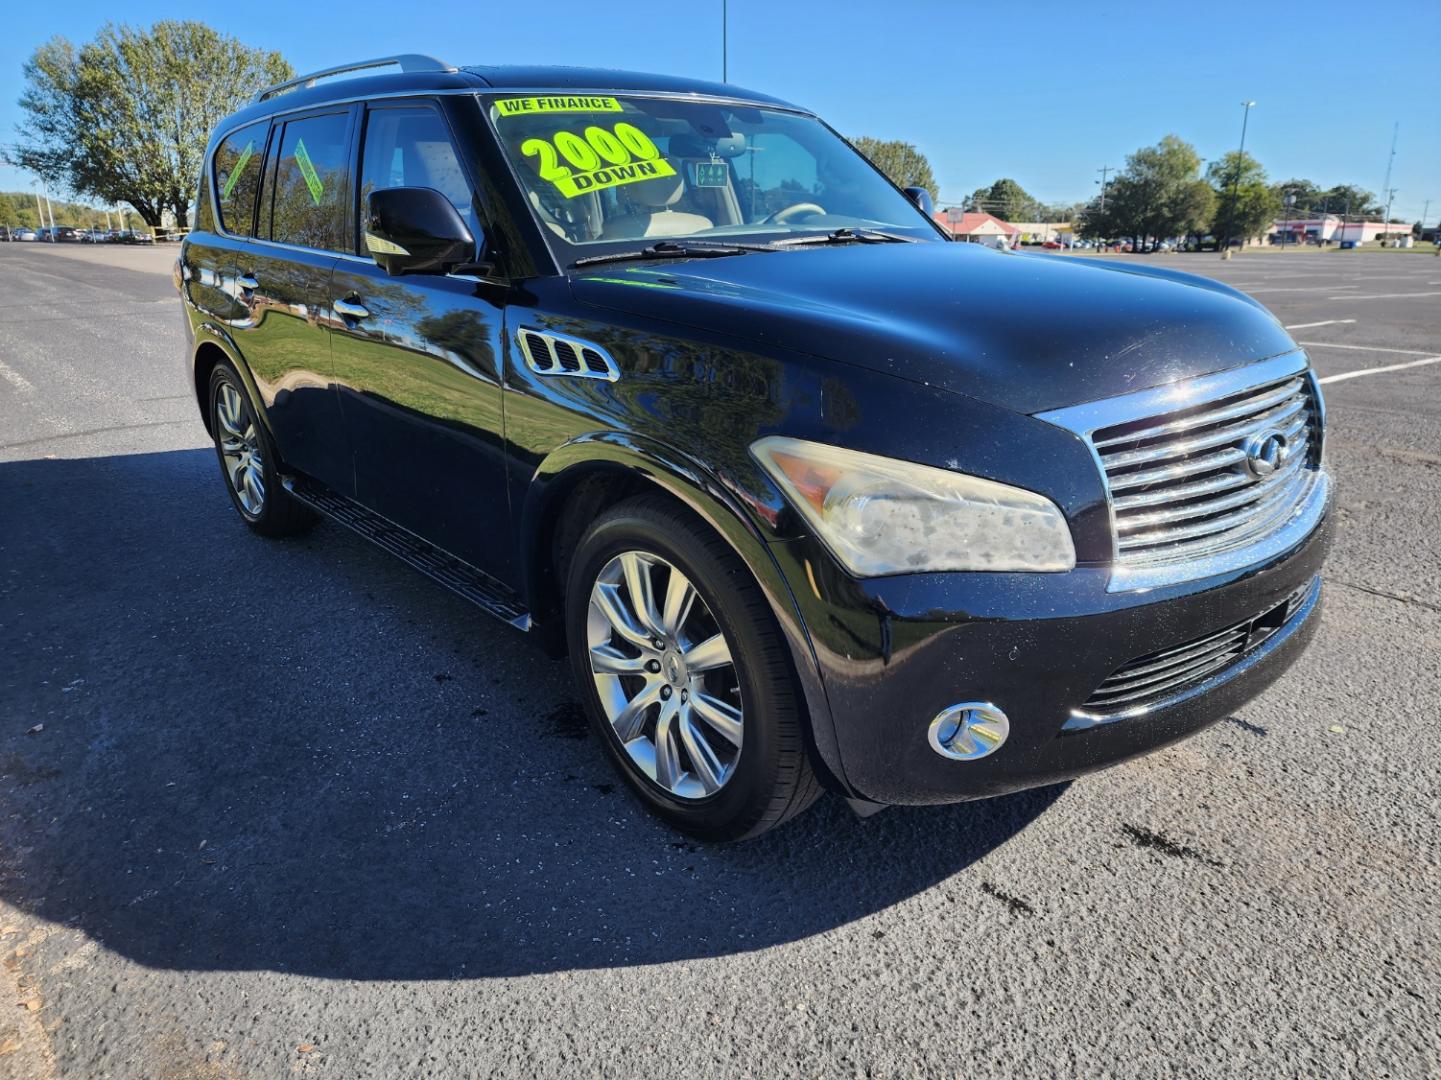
x: 221, y: 752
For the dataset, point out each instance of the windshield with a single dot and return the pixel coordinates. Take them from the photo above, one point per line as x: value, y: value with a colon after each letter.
x: 609, y: 174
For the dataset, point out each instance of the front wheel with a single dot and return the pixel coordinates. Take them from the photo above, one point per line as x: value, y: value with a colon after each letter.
x: 684, y: 674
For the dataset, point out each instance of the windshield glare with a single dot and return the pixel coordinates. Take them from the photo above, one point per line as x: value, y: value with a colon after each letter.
x: 613, y: 173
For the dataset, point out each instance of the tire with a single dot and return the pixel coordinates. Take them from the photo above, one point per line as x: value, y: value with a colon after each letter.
x: 764, y: 776
x: 254, y: 485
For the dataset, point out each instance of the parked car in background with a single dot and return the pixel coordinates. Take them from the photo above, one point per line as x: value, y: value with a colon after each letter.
x: 26, y: 234
x: 812, y: 496
x: 1052, y: 245
x: 5, y: 232
x: 134, y: 236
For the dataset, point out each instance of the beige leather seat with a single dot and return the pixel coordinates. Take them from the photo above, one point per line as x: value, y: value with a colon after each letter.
x: 650, y: 212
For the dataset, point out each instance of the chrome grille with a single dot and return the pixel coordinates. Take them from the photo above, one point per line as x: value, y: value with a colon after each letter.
x: 1140, y: 683
x: 1180, y: 484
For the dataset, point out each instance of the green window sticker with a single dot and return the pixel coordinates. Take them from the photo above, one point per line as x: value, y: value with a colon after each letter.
x: 238, y: 168
x: 307, y: 170
x: 712, y: 174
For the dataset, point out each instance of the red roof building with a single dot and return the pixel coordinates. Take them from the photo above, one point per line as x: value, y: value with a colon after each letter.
x: 964, y: 225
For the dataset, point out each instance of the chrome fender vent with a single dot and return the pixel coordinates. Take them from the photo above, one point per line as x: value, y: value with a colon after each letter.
x: 548, y: 353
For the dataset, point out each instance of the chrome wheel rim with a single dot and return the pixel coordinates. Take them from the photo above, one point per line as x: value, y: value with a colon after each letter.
x: 665, y: 675
x: 240, y: 449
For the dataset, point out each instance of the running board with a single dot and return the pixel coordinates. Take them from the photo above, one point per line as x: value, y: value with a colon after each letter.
x: 440, y: 566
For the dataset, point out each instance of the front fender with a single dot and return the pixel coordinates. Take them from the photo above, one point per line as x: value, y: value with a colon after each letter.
x: 685, y: 479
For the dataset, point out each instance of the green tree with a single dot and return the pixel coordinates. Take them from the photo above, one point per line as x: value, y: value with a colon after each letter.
x: 900, y: 161
x: 1245, y: 204
x: 1351, y: 200
x: 125, y: 118
x: 1308, y: 195
x: 1159, y: 194
x: 1006, y: 199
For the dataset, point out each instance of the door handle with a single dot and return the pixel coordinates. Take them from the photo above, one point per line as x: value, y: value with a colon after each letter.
x: 348, y: 310
x: 248, y: 283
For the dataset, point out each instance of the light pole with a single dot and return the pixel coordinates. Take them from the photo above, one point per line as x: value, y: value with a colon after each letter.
x: 1246, y: 107
x: 725, y: 42
x: 1290, y: 201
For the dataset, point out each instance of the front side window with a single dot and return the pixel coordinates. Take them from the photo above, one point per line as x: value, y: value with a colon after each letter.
x: 603, y: 172
x: 238, y: 162
x: 310, y: 204
x: 410, y: 147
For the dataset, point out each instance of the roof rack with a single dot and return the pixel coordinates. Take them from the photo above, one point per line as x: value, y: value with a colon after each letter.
x: 406, y: 62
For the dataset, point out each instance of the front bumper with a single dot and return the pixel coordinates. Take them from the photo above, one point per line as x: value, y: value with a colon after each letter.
x: 894, y: 652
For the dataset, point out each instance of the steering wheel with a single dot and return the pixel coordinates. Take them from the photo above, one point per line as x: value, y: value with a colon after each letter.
x: 783, y: 215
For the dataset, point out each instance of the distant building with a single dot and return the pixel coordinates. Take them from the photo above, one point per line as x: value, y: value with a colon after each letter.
x: 1330, y: 229
x: 1038, y: 232
x: 976, y: 227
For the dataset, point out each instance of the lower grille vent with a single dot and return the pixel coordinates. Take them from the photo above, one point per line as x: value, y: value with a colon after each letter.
x: 1142, y: 682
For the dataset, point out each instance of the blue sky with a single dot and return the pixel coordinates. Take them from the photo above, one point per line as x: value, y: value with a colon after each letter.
x: 1044, y: 93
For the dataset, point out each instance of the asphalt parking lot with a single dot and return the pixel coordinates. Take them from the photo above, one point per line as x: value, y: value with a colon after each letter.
x: 287, y: 809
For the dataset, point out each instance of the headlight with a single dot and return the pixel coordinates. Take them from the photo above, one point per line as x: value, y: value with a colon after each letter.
x: 882, y: 516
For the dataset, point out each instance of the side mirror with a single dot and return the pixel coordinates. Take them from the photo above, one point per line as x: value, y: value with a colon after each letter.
x: 922, y: 198
x: 416, y: 230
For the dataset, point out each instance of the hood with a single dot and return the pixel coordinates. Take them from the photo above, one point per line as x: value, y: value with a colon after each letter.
x: 1028, y: 333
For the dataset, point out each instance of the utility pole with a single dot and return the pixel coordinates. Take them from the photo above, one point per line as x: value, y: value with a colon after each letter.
x: 1391, y: 161
x: 725, y: 40
x: 1390, y: 195
x: 1246, y: 107
x: 1103, y: 170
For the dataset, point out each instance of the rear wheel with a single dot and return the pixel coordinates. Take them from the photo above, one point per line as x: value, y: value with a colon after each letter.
x: 684, y: 673
x: 248, y: 460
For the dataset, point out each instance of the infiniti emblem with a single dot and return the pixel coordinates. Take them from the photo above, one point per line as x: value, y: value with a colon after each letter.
x: 672, y: 668
x: 1265, y: 452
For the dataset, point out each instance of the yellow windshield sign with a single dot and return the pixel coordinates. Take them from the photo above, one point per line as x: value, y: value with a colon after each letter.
x: 611, y: 176
x: 597, y: 158
x: 524, y: 106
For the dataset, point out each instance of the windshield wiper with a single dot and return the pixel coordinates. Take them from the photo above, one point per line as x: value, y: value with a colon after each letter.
x: 669, y: 249
x: 846, y: 236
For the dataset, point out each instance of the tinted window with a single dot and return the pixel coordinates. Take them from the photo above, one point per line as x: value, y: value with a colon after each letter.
x: 310, y: 204
x: 411, y: 148
x: 238, y: 160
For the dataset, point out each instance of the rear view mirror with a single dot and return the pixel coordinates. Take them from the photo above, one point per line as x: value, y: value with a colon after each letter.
x: 416, y: 230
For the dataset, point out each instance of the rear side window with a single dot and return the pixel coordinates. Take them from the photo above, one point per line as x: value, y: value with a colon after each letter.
x: 309, y: 201
x: 238, y: 162
x: 410, y: 147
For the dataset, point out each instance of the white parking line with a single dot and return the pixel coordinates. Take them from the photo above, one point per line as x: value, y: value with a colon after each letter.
x: 1323, y: 322
x: 14, y: 378
x: 1303, y: 288
x: 1359, y: 348
x: 1379, y: 370
x: 1381, y: 296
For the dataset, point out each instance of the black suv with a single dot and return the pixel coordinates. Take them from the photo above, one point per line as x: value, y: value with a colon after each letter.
x: 666, y: 374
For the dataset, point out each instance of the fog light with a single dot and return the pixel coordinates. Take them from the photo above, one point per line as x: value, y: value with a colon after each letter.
x: 969, y: 731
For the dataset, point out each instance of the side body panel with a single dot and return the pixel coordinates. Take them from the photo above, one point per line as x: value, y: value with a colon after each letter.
x: 419, y: 388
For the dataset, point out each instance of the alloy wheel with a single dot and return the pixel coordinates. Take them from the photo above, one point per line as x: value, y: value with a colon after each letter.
x: 240, y: 449
x: 665, y: 675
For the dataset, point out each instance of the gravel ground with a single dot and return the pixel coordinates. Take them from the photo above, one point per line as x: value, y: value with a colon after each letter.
x: 274, y: 809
